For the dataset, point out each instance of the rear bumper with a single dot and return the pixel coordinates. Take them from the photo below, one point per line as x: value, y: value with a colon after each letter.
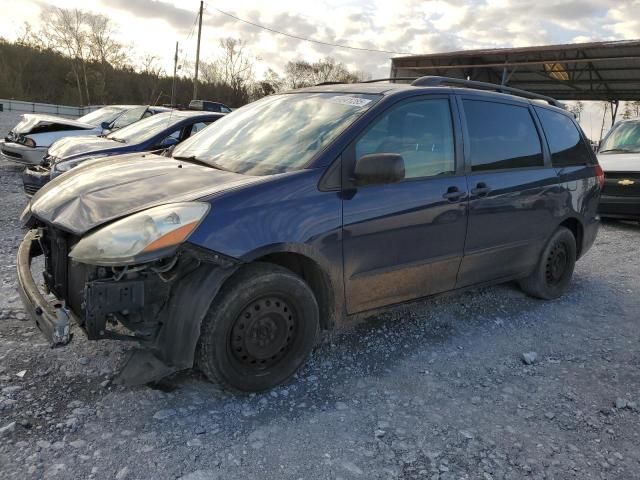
x: 51, y: 317
x: 34, y: 178
x: 22, y: 154
x: 619, y: 207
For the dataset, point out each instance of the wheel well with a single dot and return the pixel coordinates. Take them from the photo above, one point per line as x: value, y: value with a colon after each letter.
x: 576, y: 228
x: 315, y: 277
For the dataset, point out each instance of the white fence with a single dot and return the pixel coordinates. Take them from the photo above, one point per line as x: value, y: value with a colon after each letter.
x: 35, y: 107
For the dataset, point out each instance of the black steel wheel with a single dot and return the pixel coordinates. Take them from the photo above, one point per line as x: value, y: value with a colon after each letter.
x: 552, y: 275
x: 259, y: 330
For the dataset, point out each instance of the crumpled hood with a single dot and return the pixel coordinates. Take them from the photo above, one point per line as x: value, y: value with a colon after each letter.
x: 74, y: 146
x: 619, y: 162
x: 99, y: 191
x: 39, y: 123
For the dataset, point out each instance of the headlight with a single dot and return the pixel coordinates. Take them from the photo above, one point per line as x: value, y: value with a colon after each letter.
x: 64, y: 166
x: 28, y: 142
x: 141, y: 237
x: 61, y: 167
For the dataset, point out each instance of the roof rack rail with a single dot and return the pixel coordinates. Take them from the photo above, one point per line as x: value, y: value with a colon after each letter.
x: 433, y: 81
x: 367, y: 81
x: 389, y: 79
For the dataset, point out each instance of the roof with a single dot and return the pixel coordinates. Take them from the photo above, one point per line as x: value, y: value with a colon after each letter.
x: 190, y: 113
x: 580, y: 71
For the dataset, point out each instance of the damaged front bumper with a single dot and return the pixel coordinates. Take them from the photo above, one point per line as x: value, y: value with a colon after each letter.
x: 19, y: 153
x: 159, y: 305
x: 51, y: 317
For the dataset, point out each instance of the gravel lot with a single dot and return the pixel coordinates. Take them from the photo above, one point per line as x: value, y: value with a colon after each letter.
x: 439, y: 390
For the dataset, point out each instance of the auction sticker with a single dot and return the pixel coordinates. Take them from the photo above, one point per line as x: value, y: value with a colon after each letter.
x: 347, y: 100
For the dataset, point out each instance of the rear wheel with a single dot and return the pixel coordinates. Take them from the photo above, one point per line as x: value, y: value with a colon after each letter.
x: 552, y: 275
x: 259, y: 330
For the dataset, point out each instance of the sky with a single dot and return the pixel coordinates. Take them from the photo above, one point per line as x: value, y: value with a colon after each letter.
x: 406, y: 26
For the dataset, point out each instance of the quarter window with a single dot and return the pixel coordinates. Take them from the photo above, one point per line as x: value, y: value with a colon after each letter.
x: 420, y: 131
x: 565, y: 142
x: 501, y: 136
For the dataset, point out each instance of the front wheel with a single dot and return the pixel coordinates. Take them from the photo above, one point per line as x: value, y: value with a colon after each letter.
x: 259, y: 330
x: 552, y: 275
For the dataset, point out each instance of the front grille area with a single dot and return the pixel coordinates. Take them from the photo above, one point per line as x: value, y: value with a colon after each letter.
x: 11, y: 154
x: 56, y: 247
x: 622, y: 184
x: 31, y: 189
x: 64, y: 278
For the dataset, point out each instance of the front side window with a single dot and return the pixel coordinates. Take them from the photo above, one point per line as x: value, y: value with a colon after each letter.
x: 501, y: 136
x: 421, y: 131
x: 145, y: 129
x: 624, y: 138
x: 276, y: 134
x: 565, y: 142
x: 129, y: 117
x: 196, y: 127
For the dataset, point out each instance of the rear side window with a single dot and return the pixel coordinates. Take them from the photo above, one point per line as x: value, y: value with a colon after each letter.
x: 565, y: 142
x: 501, y: 136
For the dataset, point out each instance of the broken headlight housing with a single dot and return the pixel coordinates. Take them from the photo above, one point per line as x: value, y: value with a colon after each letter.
x: 142, y: 237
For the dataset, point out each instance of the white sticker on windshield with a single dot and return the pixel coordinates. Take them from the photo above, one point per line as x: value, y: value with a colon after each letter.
x: 353, y: 101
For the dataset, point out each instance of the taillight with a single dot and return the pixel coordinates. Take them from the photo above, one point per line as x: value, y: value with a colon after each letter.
x: 600, y: 176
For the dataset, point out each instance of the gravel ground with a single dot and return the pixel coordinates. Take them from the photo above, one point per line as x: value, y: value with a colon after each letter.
x: 438, y: 390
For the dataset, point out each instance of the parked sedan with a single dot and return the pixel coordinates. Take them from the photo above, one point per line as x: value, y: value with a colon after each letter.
x: 157, y: 133
x: 29, y: 140
x: 619, y: 157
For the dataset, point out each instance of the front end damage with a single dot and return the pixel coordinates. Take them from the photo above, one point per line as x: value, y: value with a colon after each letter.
x: 158, y: 304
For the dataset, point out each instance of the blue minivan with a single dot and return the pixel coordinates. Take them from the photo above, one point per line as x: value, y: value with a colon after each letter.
x: 302, y: 211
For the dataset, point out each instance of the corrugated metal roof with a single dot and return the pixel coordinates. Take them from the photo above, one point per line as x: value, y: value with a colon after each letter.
x: 581, y: 71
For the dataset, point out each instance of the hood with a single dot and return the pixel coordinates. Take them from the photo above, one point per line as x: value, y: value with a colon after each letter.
x: 74, y: 146
x: 619, y: 162
x: 97, y: 192
x: 39, y: 123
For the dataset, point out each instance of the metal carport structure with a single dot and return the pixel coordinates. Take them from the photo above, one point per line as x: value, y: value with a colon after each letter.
x: 602, y: 71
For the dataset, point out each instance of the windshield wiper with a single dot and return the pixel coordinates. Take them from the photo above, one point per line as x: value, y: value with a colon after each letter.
x: 197, y: 161
x: 116, y: 139
x: 620, y: 150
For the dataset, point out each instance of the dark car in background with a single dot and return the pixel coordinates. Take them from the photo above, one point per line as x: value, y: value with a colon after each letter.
x: 619, y: 156
x: 209, y: 106
x: 29, y: 140
x: 304, y: 210
x: 160, y: 132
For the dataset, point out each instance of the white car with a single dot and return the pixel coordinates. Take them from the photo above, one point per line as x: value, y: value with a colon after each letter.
x: 619, y: 157
x: 29, y: 140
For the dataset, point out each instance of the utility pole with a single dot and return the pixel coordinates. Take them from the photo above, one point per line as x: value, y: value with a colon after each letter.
x: 195, y: 78
x: 175, y: 72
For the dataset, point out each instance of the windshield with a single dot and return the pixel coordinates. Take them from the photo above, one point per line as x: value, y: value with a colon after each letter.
x: 106, y: 114
x: 277, y: 134
x: 146, y: 129
x: 623, y: 138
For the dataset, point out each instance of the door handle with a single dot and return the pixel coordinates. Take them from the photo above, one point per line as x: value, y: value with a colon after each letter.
x: 481, y: 189
x: 453, y: 193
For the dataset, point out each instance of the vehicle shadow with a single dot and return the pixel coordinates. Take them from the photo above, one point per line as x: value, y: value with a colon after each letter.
x: 371, y: 349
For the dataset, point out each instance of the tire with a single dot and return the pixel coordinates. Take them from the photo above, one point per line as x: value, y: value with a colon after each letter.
x: 259, y: 330
x: 552, y: 275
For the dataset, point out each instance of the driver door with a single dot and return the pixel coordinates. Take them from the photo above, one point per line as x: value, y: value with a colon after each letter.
x: 405, y: 240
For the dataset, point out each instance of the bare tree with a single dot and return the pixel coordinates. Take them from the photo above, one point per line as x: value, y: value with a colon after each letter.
x: 63, y: 31
x: 88, y: 39
x: 235, y: 68
x: 301, y: 73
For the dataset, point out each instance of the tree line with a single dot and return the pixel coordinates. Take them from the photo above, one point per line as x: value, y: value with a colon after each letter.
x: 74, y: 57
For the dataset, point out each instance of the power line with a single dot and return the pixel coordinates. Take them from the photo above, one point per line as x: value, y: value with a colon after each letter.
x: 309, y: 39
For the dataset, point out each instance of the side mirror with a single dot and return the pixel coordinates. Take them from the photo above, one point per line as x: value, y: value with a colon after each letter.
x: 105, y: 125
x: 379, y: 169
